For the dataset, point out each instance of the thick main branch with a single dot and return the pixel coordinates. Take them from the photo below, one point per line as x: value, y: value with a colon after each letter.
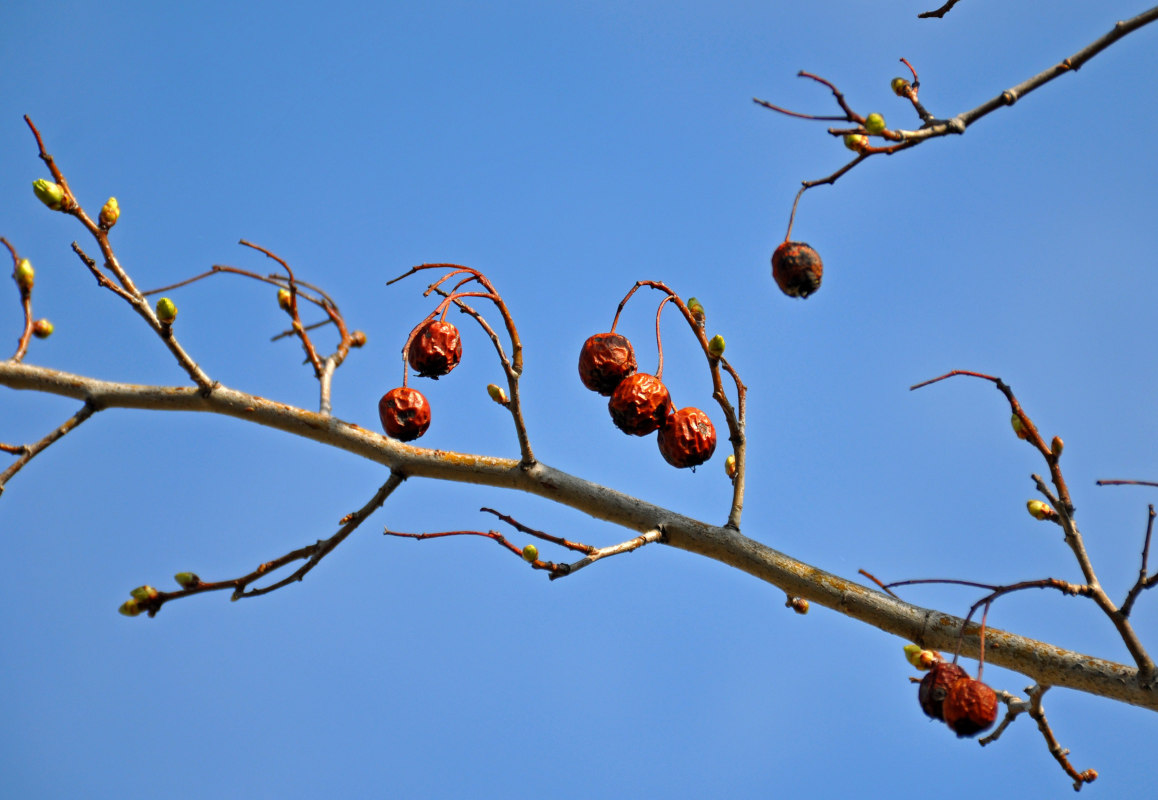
x: 1044, y: 663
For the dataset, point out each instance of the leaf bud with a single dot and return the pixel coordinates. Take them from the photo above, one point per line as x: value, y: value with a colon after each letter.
x: 166, y: 310
x: 42, y: 328
x: 716, y: 346
x: 1039, y: 510
x: 530, y: 554
x: 497, y: 394
x: 900, y: 86
x: 797, y: 604
x: 730, y: 466
x: 130, y: 608
x: 24, y: 274
x: 1056, y: 446
x: 697, y: 309
x: 921, y: 658
x: 1018, y: 427
x: 856, y: 142
x: 144, y: 593
x: 110, y: 213
x: 358, y: 339
x: 187, y: 580
x: 285, y: 299
x: 874, y: 123
x: 51, y: 194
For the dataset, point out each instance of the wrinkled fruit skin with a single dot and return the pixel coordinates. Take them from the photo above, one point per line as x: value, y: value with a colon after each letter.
x: 605, y: 360
x: 405, y: 413
x: 970, y: 707
x: 797, y: 269
x: 935, y: 686
x: 687, y: 438
x: 436, y: 350
x: 640, y: 404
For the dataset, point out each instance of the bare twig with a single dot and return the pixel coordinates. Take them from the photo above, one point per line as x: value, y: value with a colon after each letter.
x: 939, y: 12
x: 28, y: 452
x: 1144, y: 581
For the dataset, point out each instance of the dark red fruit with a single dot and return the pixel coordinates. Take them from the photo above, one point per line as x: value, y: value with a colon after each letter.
x: 687, y: 438
x: 405, y: 413
x: 970, y: 707
x: 639, y: 404
x: 435, y: 350
x: 605, y: 360
x: 797, y: 269
x: 935, y: 686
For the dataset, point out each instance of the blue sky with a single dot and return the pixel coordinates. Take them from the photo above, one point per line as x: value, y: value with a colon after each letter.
x: 569, y: 149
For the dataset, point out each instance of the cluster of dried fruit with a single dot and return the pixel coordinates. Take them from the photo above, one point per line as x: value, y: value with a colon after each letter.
x: 640, y: 404
x: 435, y: 349
x: 966, y: 705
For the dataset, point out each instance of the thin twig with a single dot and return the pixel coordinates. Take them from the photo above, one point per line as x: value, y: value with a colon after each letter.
x: 940, y: 12
x: 25, y: 304
x: 1143, y: 582
x: 28, y: 452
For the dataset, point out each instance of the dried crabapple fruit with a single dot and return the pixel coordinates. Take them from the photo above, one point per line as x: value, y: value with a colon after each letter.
x: 935, y: 686
x: 797, y: 269
x: 687, y: 438
x: 405, y: 413
x: 639, y: 404
x: 435, y: 350
x: 970, y: 707
x: 605, y: 360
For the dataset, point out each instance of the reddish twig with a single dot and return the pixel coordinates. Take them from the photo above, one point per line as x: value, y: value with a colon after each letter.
x: 28, y: 452
x: 25, y: 304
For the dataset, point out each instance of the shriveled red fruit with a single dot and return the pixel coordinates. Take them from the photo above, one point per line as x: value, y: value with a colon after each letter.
x: 687, y: 438
x: 935, y: 685
x: 435, y: 350
x: 639, y: 404
x: 970, y: 707
x: 797, y: 269
x: 605, y: 360
x: 405, y: 413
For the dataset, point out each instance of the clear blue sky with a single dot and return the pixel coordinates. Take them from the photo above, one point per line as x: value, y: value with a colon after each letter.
x: 568, y: 149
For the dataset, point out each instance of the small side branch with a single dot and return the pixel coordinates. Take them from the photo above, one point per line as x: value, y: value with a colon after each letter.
x: 28, y: 452
x: 938, y: 12
x: 1033, y: 706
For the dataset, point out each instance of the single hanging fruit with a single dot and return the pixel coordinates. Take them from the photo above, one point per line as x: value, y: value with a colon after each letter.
x: 797, y: 269
x: 640, y: 404
x: 687, y: 438
x: 435, y: 350
x: 405, y: 413
x: 970, y: 707
x: 605, y: 360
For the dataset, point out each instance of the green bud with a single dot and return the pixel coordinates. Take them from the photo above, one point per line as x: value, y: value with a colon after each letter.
x: 856, y: 142
x: 1039, y: 510
x: 144, y: 593
x: 51, y: 194
x: 285, y: 299
x: 130, y: 608
x: 24, y: 274
x: 42, y: 329
x: 899, y: 86
x: 110, y: 213
x: 730, y: 466
x: 716, y: 346
x: 1056, y: 446
x: 697, y: 308
x: 1018, y: 427
x: 187, y: 580
x: 874, y: 123
x: 497, y: 394
x: 530, y: 554
x: 166, y: 310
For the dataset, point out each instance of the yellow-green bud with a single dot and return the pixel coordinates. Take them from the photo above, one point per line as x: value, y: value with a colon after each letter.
x: 1039, y: 510
x: 42, y: 329
x: 530, y: 554
x: 921, y: 658
x: 497, y: 394
x: 874, y: 123
x: 166, y: 310
x: 24, y: 274
x: 1018, y: 427
x: 697, y: 309
x: 730, y: 466
x: 110, y: 213
x: 130, y: 608
x: 144, y: 593
x: 51, y: 194
x: 187, y: 580
x: 716, y: 346
x: 1056, y: 446
x: 856, y: 142
x: 285, y: 299
x: 899, y: 86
